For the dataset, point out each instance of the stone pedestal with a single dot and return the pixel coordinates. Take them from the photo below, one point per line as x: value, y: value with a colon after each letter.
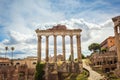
x: 80, y: 67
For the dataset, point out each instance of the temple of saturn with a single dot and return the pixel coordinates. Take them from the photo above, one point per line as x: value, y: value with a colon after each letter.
x: 116, y: 21
x: 61, y: 30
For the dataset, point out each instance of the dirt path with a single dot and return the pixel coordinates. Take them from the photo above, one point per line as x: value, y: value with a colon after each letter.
x: 93, y: 74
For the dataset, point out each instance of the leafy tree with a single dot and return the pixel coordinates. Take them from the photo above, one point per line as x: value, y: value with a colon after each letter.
x: 39, y: 71
x: 6, y: 48
x: 104, y: 50
x: 94, y: 47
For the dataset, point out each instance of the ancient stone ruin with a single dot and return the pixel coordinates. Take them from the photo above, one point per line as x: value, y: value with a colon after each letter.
x: 52, y: 69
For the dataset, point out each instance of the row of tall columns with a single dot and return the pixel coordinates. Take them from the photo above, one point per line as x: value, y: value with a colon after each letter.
x: 63, y: 48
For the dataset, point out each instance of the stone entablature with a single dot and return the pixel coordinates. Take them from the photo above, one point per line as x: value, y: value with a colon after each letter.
x: 58, y: 32
x: 116, y: 21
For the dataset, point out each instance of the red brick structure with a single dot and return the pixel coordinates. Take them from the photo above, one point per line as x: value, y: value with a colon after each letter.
x: 108, y: 43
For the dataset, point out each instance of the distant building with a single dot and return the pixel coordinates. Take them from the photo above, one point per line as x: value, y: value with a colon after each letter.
x: 22, y: 69
x: 59, y: 58
x: 108, y: 43
x: 4, y: 61
x: 29, y: 61
x: 105, y: 61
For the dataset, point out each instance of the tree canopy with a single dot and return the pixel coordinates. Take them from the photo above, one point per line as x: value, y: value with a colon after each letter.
x: 94, y: 47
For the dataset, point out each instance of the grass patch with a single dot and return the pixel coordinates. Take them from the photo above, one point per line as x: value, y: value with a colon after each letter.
x: 76, y: 76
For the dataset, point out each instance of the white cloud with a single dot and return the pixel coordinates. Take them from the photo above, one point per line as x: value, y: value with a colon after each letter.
x: 26, y: 44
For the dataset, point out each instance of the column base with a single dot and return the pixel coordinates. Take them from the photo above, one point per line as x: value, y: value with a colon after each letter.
x: 80, y: 66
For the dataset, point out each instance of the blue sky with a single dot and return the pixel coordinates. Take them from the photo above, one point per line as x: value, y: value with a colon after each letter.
x: 19, y: 19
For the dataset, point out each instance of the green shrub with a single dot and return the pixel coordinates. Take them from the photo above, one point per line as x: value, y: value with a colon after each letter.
x: 39, y: 71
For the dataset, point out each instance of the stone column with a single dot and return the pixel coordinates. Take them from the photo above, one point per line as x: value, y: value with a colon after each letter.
x: 39, y: 49
x: 63, y: 44
x: 117, y: 43
x: 71, y: 45
x: 55, y: 48
x: 79, y: 48
x: 47, y: 48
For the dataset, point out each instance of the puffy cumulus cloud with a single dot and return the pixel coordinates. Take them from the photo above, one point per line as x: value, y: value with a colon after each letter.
x: 17, y: 37
x: 26, y: 44
x: 86, y: 27
x: 24, y: 18
x: 91, y: 32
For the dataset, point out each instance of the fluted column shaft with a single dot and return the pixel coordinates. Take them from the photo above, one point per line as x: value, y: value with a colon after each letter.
x: 63, y: 44
x: 71, y: 45
x: 47, y: 48
x: 55, y: 48
x: 39, y: 49
x: 78, y: 48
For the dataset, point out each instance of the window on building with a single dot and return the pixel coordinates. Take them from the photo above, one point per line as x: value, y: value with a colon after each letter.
x: 34, y: 63
x: 17, y: 63
x: 97, y: 63
x: 110, y: 62
x: 115, y: 60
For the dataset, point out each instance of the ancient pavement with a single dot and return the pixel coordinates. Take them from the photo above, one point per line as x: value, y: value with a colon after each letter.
x: 93, y: 74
